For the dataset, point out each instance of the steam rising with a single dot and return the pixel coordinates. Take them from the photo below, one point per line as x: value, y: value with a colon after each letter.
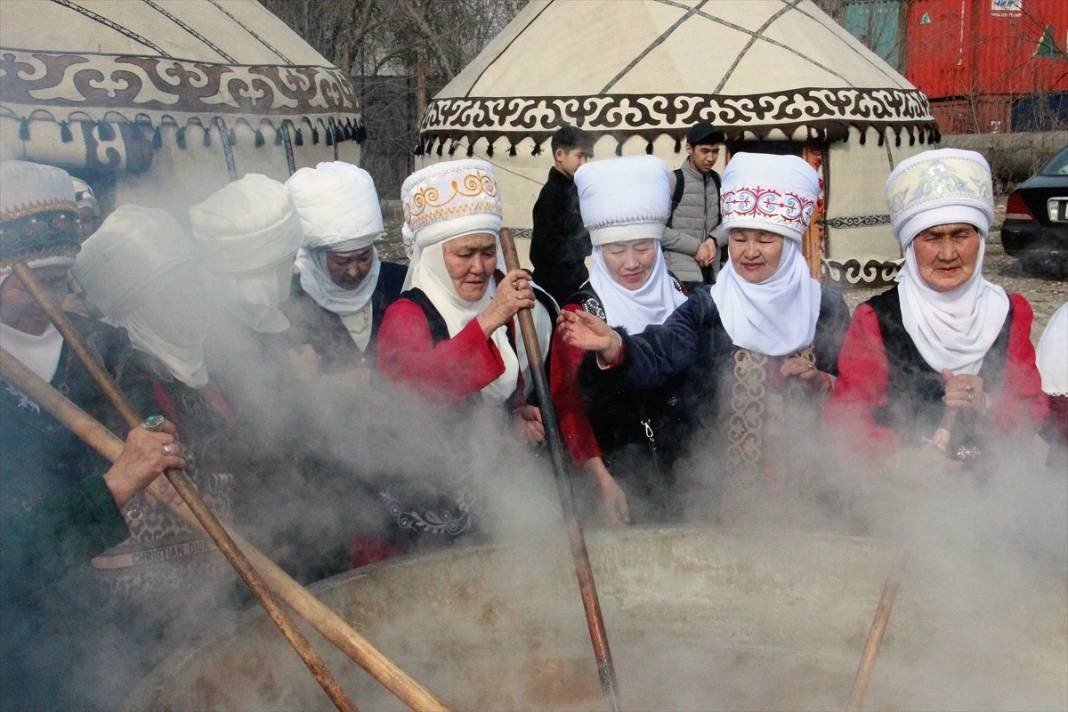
x: 761, y: 607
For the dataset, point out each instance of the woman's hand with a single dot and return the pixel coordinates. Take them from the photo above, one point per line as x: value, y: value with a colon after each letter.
x: 612, y: 496
x: 803, y: 369
x: 526, y: 423
x: 585, y: 331
x: 513, y: 293
x: 144, y: 457
x: 965, y: 392
x: 707, y: 252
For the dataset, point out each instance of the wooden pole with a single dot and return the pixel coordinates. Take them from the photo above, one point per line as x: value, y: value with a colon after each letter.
x: 185, y: 488
x: 893, y: 580
x: 314, y: 611
x: 876, y: 633
x: 583, y: 571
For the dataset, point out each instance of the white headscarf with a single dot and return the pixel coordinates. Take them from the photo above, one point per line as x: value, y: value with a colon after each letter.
x: 623, y: 200
x: 39, y: 353
x: 249, y: 233
x: 443, y: 202
x: 1053, y: 353
x: 955, y: 329
x: 139, y: 269
x: 339, y: 212
x: 778, y: 194
x: 635, y: 309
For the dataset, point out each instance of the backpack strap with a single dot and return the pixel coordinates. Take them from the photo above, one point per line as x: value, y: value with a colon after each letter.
x: 676, y: 195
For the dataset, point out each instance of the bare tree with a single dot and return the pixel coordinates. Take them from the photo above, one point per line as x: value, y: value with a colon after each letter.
x: 397, y: 53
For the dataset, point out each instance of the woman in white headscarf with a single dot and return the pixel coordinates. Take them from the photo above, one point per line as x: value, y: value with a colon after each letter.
x: 626, y: 440
x: 139, y: 270
x: 760, y: 345
x: 452, y: 336
x: 340, y: 296
x: 944, y: 338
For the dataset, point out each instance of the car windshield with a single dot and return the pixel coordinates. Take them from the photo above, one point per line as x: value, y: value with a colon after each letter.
x: 1057, y: 166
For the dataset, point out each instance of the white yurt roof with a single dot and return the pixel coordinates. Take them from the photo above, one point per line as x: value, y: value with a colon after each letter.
x: 111, y: 73
x: 758, y: 68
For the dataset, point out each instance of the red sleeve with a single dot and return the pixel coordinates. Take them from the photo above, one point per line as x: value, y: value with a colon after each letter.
x: 863, y: 377
x: 1019, y: 403
x: 450, y: 370
x: 569, y: 401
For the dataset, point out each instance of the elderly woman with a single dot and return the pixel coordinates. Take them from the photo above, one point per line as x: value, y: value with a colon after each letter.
x: 765, y: 337
x: 625, y: 439
x: 451, y: 337
x: 944, y: 339
x: 139, y: 269
x: 341, y: 294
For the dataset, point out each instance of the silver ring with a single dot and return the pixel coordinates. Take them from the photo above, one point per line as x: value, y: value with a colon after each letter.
x: 168, y: 449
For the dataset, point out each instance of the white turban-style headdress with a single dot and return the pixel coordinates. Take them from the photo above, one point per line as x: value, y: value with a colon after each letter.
x: 140, y: 269
x: 339, y: 212
x: 249, y: 233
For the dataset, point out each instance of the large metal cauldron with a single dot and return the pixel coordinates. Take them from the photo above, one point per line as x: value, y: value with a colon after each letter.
x: 697, y: 618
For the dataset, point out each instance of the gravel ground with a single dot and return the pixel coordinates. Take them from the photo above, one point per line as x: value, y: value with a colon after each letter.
x: 1045, y: 294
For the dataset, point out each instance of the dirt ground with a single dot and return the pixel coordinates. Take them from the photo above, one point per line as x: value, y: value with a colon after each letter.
x: 1045, y: 294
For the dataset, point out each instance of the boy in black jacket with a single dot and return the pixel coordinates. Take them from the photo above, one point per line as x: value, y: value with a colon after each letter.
x: 560, y: 244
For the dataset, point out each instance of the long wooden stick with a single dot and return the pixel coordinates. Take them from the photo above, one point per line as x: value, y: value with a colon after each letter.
x: 583, y: 571
x: 314, y: 611
x: 940, y: 440
x: 189, y: 495
x: 876, y: 633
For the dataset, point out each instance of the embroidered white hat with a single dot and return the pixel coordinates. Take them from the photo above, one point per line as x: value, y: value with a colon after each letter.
x: 338, y: 206
x: 762, y: 191
x: 946, y: 185
x: 247, y: 225
x: 134, y: 248
x: 37, y: 215
x: 446, y: 200
x: 624, y: 198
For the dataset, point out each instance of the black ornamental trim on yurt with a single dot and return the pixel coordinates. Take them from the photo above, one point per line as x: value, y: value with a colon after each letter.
x: 820, y: 113
x: 87, y: 87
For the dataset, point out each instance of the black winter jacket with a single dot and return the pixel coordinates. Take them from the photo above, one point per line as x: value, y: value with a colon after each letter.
x: 560, y: 243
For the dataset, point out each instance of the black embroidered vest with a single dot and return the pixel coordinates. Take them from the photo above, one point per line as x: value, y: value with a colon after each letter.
x: 914, y: 390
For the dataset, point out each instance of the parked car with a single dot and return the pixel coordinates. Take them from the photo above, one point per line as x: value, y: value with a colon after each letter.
x: 1035, y: 230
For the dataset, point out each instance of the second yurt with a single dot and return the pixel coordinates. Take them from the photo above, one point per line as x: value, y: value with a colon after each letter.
x: 776, y: 76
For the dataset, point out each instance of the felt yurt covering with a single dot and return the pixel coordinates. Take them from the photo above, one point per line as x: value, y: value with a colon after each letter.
x: 638, y: 73
x: 162, y: 102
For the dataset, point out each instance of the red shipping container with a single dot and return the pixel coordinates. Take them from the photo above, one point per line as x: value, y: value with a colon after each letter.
x: 968, y: 48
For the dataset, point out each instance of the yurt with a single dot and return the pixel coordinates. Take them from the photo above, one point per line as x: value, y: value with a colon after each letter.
x: 776, y: 75
x: 161, y: 103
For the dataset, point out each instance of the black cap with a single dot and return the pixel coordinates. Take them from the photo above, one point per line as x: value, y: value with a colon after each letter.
x: 704, y: 132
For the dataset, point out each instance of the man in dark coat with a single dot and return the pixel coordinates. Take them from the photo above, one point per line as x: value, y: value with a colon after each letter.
x: 560, y: 243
